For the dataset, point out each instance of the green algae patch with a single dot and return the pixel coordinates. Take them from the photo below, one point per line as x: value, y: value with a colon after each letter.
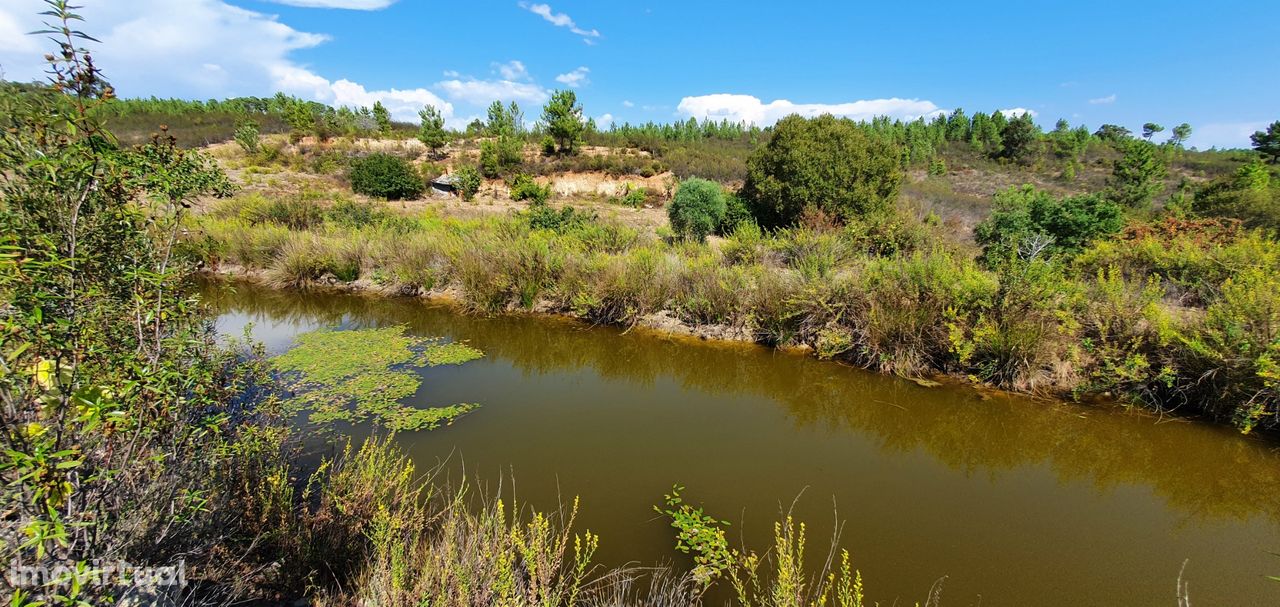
x: 361, y: 375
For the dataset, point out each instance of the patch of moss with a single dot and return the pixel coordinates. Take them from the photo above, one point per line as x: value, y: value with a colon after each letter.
x: 361, y: 375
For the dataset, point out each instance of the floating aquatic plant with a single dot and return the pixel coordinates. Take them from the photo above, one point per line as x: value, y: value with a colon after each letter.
x: 361, y: 375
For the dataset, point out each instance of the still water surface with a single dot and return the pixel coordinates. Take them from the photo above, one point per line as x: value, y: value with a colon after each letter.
x: 1014, y: 500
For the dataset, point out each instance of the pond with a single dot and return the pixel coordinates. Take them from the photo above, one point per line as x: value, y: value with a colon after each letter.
x: 1014, y: 500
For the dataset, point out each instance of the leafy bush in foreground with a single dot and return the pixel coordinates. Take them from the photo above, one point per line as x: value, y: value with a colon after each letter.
x: 385, y: 176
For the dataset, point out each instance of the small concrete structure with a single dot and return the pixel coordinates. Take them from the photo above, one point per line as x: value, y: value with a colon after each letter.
x: 444, y: 185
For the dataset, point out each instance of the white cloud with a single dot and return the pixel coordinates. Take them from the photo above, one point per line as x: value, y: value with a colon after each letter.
x: 1018, y: 111
x: 746, y: 108
x: 628, y: 104
x: 604, y: 120
x: 1108, y: 100
x: 484, y: 92
x: 198, y: 49
x: 561, y: 20
x: 359, y: 5
x: 575, y: 79
x: 511, y: 70
x: 1224, y: 134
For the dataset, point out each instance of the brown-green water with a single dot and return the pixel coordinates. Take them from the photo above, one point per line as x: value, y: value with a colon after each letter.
x: 1015, y: 501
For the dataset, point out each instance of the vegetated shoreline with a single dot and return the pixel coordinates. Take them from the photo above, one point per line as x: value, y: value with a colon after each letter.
x: 667, y: 324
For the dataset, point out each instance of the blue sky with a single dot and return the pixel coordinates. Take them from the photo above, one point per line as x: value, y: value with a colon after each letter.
x: 1212, y: 64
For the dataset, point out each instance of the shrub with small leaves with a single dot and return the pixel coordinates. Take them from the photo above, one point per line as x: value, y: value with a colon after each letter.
x: 247, y: 137
x: 468, y: 182
x: 525, y: 188
x: 697, y: 208
x: 385, y: 176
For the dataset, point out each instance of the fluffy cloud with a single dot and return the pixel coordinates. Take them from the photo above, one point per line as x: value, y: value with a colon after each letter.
x: 604, y: 120
x: 1018, y: 111
x: 484, y: 92
x: 746, y: 108
x: 202, y: 49
x: 561, y: 20
x: 1108, y: 100
x: 511, y: 70
x: 359, y: 5
x: 575, y: 79
x: 195, y: 49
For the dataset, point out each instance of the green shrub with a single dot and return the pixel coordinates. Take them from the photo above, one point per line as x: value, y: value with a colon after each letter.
x: 353, y: 214
x: 525, y: 188
x: 697, y: 209
x: 1227, y: 363
x: 1138, y: 175
x: 385, y: 176
x: 542, y: 217
x: 814, y: 255
x: 736, y: 213
x: 907, y: 308
x: 246, y: 136
x: 1250, y: 195
x: 1072, y: 222
x: 635, y: 197
x: 468, y: 181
x: 826, y: 165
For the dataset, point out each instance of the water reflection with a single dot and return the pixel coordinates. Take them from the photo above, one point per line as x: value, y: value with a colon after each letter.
x: 1205, y: 472
x: 1011, y: 497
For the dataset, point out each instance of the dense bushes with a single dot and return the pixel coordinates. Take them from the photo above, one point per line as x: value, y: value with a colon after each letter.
x: 1067, y: 224
x: 523, y: 187
x: 385, y: 176
x: 825, y: 165
x: 1251, y: 195
x: 697, y: 209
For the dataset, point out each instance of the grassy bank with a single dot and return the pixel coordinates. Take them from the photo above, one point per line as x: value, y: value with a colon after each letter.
x: 1175, y: 315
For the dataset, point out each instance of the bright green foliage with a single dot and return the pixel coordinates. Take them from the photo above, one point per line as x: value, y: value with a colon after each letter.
x: 300, y: 118
x: 1268, y: 142
x: 1072, y: 222
x: 117, y: 403
x: 503, y: 150
x: 697, y: 209
x: 1138, y: 175
x: 635, y: 197
x: 736, y: 213
x: 785, y: 584
x: 525, y: 187
x: 825, y: 165
x: 1113, y: 133
x: 431, y: 132
x: 562, y: 117
x: 385, y: 176
x: 382, y: 117
x: 699, y: 534
x: 1019, y: 136
x: 1068, y: 142
x: 1250, y: 195
x: 354, y: 376
x: 497, y: 156
x: 247, y: 137
x: 504, y: 120
x: 469, y: 181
